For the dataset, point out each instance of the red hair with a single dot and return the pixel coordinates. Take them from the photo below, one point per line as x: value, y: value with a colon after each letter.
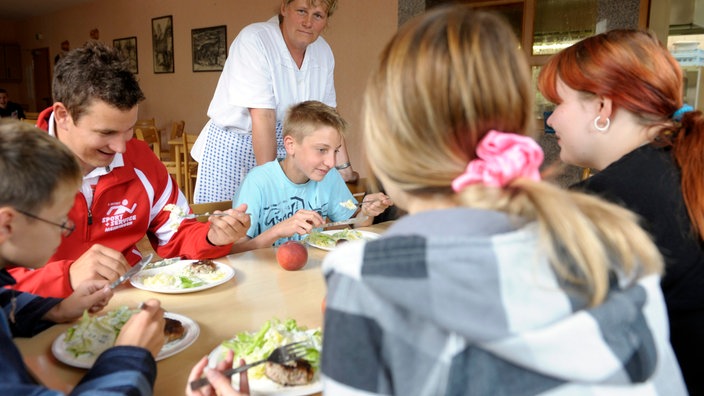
x: 638, y: 74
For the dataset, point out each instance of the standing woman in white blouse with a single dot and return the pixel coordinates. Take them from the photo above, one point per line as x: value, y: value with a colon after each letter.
x: 271, y: 65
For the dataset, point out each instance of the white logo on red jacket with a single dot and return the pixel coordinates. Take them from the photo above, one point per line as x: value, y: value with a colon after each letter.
x: 119, y: 215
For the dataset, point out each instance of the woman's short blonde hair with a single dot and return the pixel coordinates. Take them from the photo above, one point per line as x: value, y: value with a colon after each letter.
x: 330, y: 5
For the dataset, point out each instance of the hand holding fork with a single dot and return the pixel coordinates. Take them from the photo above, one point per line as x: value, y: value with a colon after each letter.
x: 281, y: 355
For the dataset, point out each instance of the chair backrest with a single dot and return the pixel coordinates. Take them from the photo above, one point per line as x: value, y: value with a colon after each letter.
x: 146, y: 122
x: 189, y: 166
x: 177, y: 129
x: 210, y: 207
x: 188, y: 142
x: 150, y: 135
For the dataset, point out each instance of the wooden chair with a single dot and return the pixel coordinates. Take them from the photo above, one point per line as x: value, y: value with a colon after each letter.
x: 146, y: 122
x: 30, y: 118
x: 189, y: 167
x: 177, y: 129
x: 176, y: 132
x: 150, y: 135
x: 210, y: 207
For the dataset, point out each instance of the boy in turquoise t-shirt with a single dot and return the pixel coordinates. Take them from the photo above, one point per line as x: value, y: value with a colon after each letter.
x: 289, y: 197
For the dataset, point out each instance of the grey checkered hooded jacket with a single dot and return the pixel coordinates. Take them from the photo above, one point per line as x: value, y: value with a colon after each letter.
x: 463, y: 302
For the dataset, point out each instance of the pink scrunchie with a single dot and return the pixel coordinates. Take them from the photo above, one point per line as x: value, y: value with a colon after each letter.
x: 503, y: 157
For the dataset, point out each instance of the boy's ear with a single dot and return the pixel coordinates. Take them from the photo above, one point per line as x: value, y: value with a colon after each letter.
x: 6, y: 216
x: 289, y: 144
x: 61, y: 115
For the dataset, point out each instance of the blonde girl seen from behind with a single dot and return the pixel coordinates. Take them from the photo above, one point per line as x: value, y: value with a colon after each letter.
x: 433, y: 117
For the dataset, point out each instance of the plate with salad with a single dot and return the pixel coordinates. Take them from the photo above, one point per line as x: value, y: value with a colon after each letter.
x: 257, y: 345
x: 328, y: 240
x: 81, y: 344
x: 183, y: 276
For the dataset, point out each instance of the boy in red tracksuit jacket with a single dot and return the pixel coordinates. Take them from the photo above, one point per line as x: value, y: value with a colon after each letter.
x: 125, y: 186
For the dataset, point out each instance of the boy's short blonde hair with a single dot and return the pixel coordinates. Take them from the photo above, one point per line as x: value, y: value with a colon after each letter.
x: 32, y: 166
x: 306, y: 117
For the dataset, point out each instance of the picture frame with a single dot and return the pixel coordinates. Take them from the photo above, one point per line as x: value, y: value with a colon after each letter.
x: 127, y: 46
x: 209, y: 48
x: 163, y: 44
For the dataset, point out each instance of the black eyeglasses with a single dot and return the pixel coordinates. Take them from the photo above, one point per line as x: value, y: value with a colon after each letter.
x: 67, y: 226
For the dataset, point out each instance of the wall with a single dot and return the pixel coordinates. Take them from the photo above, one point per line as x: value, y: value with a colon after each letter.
x: 357, y: 32
x: 9, y: 34
x: 659, y: 18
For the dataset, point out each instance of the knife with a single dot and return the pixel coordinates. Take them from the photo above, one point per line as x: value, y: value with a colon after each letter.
x: 137, y: 267
x: 353, y: 220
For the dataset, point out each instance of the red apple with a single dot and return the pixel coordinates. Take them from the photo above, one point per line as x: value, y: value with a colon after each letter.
x: 292, y: 255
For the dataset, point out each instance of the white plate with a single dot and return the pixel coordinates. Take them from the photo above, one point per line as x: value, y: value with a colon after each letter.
x: 265, y: 386
x: 174, y: 269
x: 58, y: 348
x: 368, y: 235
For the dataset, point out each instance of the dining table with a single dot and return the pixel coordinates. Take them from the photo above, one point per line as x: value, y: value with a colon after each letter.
x: 259, y: 291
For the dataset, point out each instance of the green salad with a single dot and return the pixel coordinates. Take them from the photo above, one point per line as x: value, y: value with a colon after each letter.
x: 94, y: 334
x: 254, y: 346
x: 329, y: 240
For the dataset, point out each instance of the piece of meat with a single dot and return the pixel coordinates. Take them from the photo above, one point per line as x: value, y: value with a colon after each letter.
x: 173, y: 330
x: 203, y: 267
x: 298, y: 372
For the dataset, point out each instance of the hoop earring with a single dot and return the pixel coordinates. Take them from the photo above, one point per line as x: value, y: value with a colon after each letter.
x: 601, y: 128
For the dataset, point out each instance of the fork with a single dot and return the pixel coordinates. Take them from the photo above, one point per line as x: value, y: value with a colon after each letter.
x: 197, y: 215
x: 360, y: 203
x: 206, y: 214
x: 280, y: 355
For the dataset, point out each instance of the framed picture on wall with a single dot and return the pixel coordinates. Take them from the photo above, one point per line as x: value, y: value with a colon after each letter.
x: 163, y: 44
x: 128, y: 48
x: 209, y: 48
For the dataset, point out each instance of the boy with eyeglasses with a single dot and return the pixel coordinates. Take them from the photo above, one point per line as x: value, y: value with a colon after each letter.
x: 39, y: 177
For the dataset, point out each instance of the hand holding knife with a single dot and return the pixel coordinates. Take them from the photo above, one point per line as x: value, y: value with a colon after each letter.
x: 127, y: 275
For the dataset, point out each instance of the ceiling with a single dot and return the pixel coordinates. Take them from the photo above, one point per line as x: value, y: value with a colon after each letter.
x: 22, y: 9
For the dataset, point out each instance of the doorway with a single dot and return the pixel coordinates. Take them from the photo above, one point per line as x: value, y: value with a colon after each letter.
x: 42, y: 78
